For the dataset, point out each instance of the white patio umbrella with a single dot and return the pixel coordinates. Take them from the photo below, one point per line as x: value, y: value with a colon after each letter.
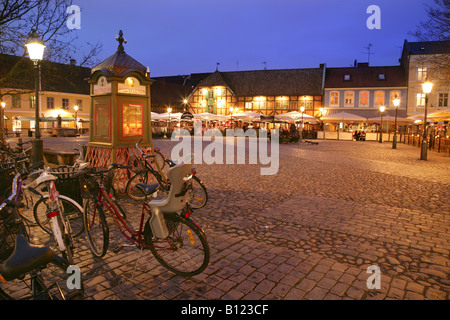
x: 248, y: 115
x: 155, y: 116
x: 343, y: 116
x: 172, y: 116
x: 204, y: 116
x: 295, y: 116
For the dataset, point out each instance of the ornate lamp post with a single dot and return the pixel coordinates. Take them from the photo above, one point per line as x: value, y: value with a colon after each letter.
x: 382, y: 108
x: 396, y: 102
x: 426, y: 88
x: 35, y: 47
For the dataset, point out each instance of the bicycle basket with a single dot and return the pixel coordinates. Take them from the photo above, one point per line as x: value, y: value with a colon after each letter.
x: 89, y: 187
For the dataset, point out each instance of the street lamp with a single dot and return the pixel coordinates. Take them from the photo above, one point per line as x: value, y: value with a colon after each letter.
x: 35, y: 48
x: 426, y: 88
x: 76, y: 119
x: 382, y: 108
x: 302, y: 109
x: 169, y: 110
x: 396, y: 102
x: 231, y: 117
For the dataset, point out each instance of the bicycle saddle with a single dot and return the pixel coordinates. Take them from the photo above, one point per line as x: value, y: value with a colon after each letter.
x: 147, y: 189
x: 25, y: 258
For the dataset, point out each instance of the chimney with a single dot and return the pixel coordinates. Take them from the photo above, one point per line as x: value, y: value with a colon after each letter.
x: 73, y: 62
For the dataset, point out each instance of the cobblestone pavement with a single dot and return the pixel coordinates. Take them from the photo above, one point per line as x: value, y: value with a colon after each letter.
x: 309, y: 232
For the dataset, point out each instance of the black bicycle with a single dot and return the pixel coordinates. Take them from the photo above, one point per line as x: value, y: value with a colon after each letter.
x: 151, y: 176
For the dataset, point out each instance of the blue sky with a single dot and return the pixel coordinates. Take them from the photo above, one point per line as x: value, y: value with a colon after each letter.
x: 189, y: 36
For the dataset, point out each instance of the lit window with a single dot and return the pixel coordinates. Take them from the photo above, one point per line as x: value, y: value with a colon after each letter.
x: 32, y: 102
x: 248, y: 105
x: 334, y: 98
x: 379, y: 98
x: 364, y: 98
x: 422, y: 73
x: 420, y: 101
x: 349, y: 97
x: 395, y: 94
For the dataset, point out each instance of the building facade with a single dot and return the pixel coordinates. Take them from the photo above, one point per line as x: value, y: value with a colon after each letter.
x: 268, y: 92
x: 424, y: 61
x: 362, y: 89
x: 61, y: 88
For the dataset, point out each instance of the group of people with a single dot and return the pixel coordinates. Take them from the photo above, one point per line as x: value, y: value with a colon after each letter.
x: 359, y: 136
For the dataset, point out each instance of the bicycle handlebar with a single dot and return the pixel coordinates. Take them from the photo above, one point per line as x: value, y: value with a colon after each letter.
x: 15, y: 184
x: 24, y: 173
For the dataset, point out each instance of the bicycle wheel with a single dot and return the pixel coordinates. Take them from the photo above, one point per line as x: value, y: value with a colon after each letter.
x: 96, y: 228
x: 66, y: 239
x: 144, y: 177
x: 72, y: 211
x: 198, y: 195
x: 9, y: 230
x: 50, y: 283
x: 185, y: 251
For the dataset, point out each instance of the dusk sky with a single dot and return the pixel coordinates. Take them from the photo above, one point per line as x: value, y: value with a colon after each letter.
x: 190, y: 36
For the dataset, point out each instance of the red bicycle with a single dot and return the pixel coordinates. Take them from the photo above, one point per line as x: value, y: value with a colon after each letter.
x: 165, y: 226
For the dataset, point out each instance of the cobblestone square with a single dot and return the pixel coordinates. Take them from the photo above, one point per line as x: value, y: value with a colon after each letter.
x: 309, y: 232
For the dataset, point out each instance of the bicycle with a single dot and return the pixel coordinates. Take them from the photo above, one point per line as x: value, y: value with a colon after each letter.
x: 176, y: 241
x: 70, y: 209
x: 198, y: 196
x: 30, y: 272
x: 56, y: 214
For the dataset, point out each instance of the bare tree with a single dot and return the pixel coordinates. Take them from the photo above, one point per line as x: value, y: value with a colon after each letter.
x: 48, y: 18
x: 437, y: 25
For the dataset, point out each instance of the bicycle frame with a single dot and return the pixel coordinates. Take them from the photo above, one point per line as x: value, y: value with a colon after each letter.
x: 105, y: 201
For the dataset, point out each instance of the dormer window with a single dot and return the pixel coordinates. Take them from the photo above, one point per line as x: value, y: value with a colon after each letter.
x: 381, y: 76
x: 347, y: 77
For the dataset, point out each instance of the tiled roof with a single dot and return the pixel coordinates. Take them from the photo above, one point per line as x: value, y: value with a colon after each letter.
x: 269, y: 82
x: 365, y: 76
x: 428, y: 47
x: 56, y: 77
x: 120, y: 62
x: 166, y: 93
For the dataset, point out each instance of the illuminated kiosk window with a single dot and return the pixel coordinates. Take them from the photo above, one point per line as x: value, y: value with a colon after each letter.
x: 102, y: 120
x: 132, y: 116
